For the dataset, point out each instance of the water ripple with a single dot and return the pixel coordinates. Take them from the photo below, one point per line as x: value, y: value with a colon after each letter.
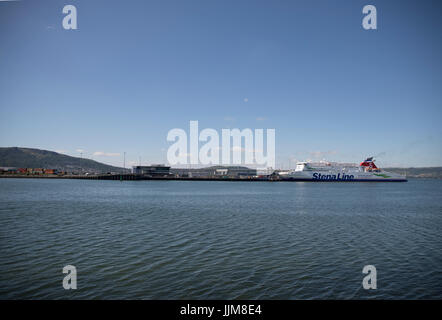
x: 213, y: 240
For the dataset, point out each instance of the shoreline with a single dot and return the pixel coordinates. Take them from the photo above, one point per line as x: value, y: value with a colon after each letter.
x: 137, y: 177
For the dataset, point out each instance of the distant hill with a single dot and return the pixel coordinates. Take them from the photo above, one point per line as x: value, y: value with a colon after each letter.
x: 36, y: 158
x: 428, y: 172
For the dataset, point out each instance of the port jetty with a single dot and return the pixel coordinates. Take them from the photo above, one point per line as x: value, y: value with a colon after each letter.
x: 133, y: 177
x: 152, y: 172
x: 164, y: 173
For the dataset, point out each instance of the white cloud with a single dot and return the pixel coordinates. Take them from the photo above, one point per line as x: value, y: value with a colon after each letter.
x: 246, y: 99
x: 60, y: 151
x: 261, y: 119
x: 80, y: 150
x: 106, y: 154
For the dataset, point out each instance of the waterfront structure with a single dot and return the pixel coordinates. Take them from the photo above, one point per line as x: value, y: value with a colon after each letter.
x: 153, y: 170
x: 8, y: 170
x: 27, y: 171
x: 215, y: 172
x: 50, y: 171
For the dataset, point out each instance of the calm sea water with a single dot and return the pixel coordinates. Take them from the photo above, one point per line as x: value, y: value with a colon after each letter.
x: 219, y: 240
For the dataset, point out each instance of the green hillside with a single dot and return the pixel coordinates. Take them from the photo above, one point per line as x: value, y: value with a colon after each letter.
x: 428, y: 172
x: 36, y: 158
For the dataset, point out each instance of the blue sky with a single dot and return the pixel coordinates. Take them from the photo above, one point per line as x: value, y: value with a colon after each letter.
x: 133, y: 70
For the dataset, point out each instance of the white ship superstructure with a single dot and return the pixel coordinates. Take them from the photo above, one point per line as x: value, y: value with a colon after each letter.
x: 333, y: 171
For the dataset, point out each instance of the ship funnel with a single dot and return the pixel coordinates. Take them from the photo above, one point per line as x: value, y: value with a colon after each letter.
x: 369, y: 162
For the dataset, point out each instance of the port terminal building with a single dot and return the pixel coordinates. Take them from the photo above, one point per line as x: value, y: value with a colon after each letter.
x: 214, y: 172
x: 156, y: 170
x: 208, y: 172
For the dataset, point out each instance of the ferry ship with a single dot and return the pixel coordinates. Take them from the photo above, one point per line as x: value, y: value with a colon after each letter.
x: 332, y: 171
